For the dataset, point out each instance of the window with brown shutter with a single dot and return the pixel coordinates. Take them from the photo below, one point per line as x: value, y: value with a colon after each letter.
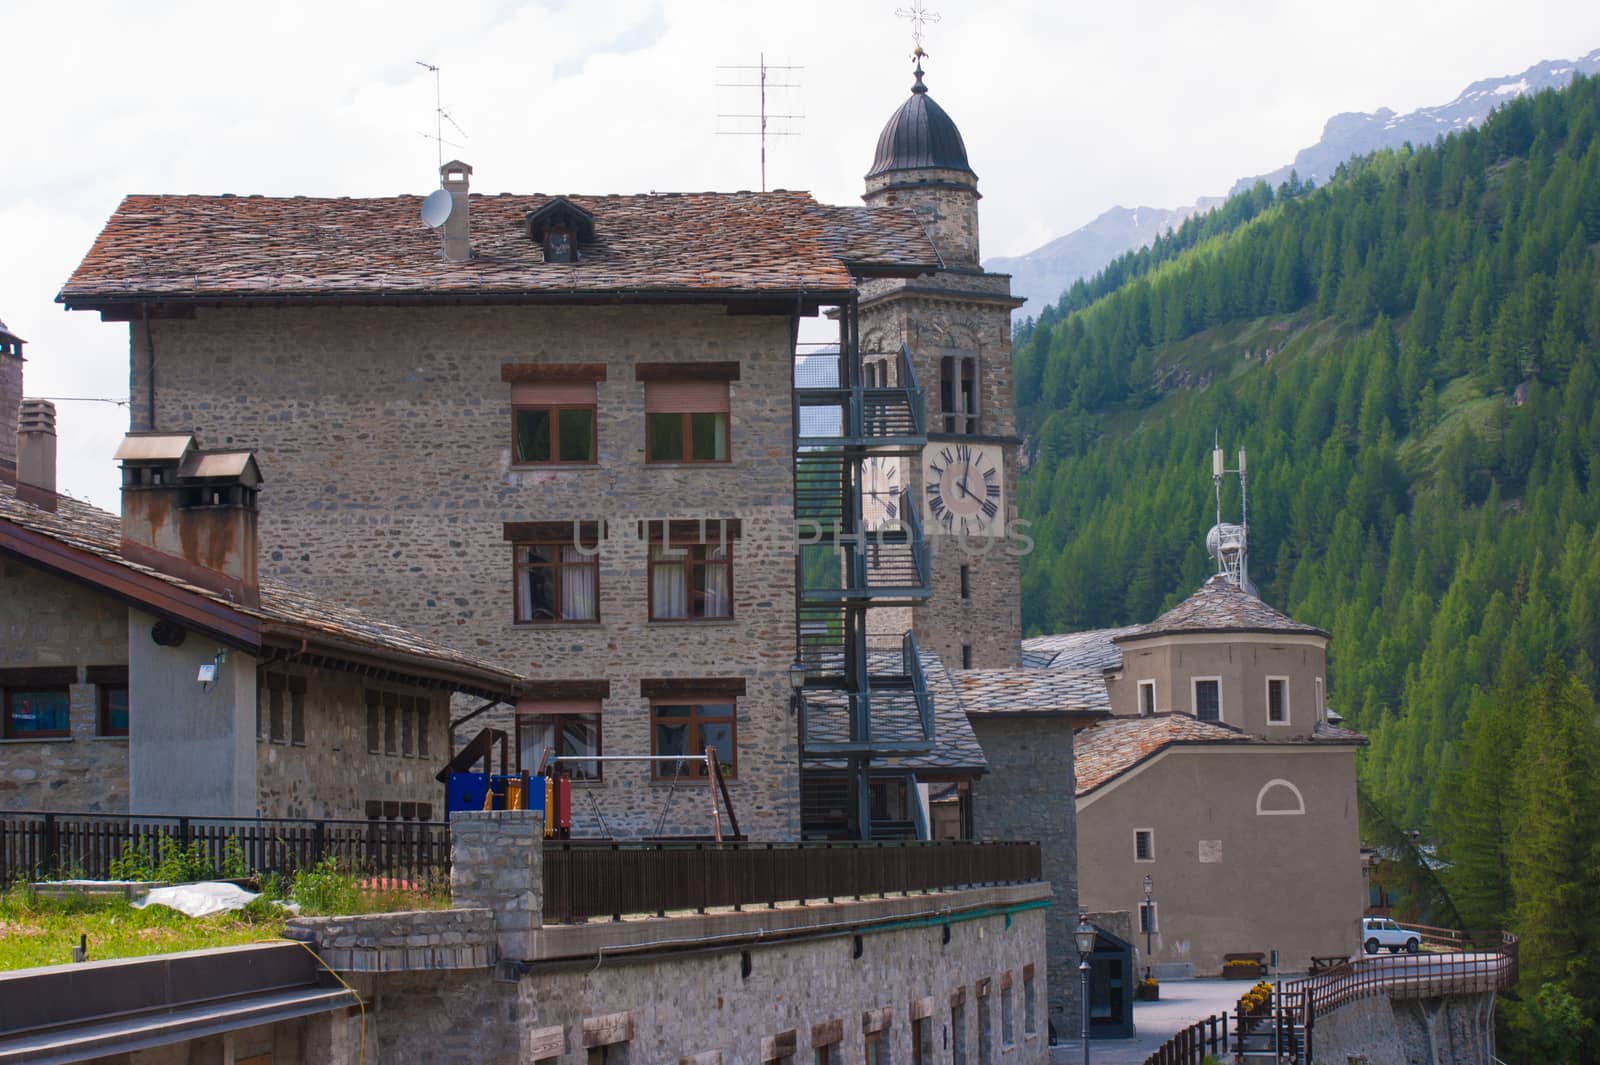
x: 686, y: 421
x: 553, y: 423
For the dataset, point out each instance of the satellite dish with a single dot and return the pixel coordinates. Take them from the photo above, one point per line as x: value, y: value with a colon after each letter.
x: 436, y: 208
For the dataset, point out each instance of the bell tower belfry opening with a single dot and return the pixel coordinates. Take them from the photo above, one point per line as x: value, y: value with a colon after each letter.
x: 956, y: 323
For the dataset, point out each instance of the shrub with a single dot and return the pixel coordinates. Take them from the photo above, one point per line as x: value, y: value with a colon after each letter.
x: 325, y: 889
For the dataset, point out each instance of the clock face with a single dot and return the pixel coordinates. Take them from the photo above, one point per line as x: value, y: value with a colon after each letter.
x: 965, y: 488
x: 881, y: 486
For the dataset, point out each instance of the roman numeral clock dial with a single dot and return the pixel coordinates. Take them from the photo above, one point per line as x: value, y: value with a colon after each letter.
x: 964, y: 489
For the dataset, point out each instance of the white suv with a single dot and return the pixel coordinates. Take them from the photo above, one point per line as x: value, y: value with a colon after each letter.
x: 1379, y: 932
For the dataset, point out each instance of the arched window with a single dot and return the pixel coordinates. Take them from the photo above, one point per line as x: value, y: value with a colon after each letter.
x: 1278, y: 797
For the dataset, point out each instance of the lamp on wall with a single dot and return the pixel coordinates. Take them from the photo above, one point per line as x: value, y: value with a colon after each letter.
x: 1084, y: 935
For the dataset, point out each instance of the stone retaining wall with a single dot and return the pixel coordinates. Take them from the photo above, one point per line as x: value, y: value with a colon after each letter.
x: 408, y: 941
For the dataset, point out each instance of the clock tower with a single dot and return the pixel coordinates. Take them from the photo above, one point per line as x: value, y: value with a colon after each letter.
x: 956, y: 325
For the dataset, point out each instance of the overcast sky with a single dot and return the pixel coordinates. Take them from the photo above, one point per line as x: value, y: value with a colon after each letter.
x: 1066, y: 108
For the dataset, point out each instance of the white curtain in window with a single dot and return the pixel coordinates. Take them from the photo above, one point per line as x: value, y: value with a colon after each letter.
x: 669, y: 585
x: 717, y: 590
x: 577, y: 586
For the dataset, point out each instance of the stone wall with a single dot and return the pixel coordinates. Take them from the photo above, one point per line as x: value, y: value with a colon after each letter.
x: 735, y: 1000
x: 383, y: 436
x: 945, y: 201
x: 10, y: 402
x: 963, y: 313
x: 333, y: 773
x: 408, y: 941
x: 1377, y: 1030
x: 497, y: 863
x: 1028, y: 794
x: 48, y: 621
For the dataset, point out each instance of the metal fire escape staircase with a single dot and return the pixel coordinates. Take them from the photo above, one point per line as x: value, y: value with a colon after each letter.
x: 864, y: 697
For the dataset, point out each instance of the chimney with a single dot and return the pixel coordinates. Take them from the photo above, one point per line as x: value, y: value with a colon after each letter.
x: 191, y: 513
x: 10, y: 400
x: 36, y: 453
x: 454, y: 176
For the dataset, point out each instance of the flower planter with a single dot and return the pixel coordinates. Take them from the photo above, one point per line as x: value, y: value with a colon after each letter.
x: 1149, y: 992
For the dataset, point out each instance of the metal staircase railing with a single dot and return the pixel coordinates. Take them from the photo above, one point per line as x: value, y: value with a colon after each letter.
x: 857, y: 703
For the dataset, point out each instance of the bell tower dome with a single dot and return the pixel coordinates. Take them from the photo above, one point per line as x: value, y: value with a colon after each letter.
x: 921, y: 163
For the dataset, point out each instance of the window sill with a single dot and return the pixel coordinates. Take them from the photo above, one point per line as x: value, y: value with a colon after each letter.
x: 693, y: 464
x: 1279, y: 724
x: 536, y: 467
x: 666, y: 782
x: 680, y: 622
x: 100, y: 739
x: 38, y: 739
x: 595, y: 624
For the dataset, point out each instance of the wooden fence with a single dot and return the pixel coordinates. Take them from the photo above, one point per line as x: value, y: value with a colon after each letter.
x: 592, y: 879
x: 36, y: 846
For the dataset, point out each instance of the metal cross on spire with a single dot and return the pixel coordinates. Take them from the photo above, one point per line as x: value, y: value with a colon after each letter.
x: 919, y: 18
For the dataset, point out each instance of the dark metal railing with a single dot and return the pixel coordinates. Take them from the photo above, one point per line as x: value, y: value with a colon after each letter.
x: 1195, y: 1043
x: 584, y: 879
x: 55, y: 845
x: 1465, y: 963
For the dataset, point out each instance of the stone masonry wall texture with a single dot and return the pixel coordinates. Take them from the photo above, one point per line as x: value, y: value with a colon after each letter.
x: 384, y: 439
x: 47, y: 621
x: 333, y: 774
x: 1028, y: 794
x: 691, y: 1004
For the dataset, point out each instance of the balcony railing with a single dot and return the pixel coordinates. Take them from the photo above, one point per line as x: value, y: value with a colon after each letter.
x: 583, y: 880
x: 892, y: 715
x: 53, y: 845
x: 887, y: 419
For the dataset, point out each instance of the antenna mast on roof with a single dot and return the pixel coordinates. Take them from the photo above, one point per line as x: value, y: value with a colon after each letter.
x: 762, y: 115
x: 440, y: 117
x: 1228, y: 543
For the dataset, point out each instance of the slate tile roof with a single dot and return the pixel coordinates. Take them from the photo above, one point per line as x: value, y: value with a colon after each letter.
x: 227, y: 247
x: 1091, y: 649
x: 956, y: 748
x: 1033, y: 691
x: 1220, y: 606
x: 1114, y: 745
x: 97, y: 532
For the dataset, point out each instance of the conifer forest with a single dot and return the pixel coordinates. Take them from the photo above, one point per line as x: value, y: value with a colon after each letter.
x: 1410, y: 355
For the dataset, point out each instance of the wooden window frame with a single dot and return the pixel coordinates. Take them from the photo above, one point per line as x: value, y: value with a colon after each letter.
x: 554, y: 410
x: 954, y: 371
x: 1284, y: 701
x: 589, y: 558
x: 109, y: 679
x: 597, y: 718
x: 686, y: 438
x: 12, y: 691
x: 1194, y: 691
x: 694, y: 744
x: 689, y: 563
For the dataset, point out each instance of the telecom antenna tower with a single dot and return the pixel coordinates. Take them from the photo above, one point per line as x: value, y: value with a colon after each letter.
x: 1228, y: 543
x: 440, y: 117
x: 762, y: 115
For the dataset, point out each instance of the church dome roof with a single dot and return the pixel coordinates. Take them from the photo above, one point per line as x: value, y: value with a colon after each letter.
x: 918, y: 136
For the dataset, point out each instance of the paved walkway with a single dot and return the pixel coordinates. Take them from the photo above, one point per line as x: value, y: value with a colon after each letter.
x: 1182, y: 1003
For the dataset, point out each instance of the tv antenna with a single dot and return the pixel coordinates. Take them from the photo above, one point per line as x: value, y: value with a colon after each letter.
x: 762, y: 116
x: 440, y: 117
x: 1228, y: 543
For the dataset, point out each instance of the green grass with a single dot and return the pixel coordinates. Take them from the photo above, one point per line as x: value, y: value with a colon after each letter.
x: 42, y: 931
x: 39, y: 930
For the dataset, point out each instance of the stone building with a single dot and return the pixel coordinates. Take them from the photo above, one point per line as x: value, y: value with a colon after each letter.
x: 1207, y: 759
x: 564, y: 440
x: 144, y: 667
x: 10, y: 398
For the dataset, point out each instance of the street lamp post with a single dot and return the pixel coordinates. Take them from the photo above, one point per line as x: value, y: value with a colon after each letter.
x: 1149, y: 917
x: 1084, y: 934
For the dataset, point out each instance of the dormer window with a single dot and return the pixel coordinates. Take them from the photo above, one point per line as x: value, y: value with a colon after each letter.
x: 560, y: 226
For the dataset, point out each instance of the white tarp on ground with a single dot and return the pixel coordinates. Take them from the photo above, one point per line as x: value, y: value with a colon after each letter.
x: 200, y: 899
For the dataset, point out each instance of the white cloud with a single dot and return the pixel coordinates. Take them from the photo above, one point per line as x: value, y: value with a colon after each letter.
x: 1065, y: 112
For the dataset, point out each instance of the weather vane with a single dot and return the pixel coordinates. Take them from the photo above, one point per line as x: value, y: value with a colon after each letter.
x: 919, y: 17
